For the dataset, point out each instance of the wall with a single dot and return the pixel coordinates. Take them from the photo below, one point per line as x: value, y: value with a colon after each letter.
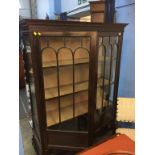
x: 52, y: 8
x: 42, y: 8
x: 68, y: 5
x: 24, y: 8
x: 125, y: 13
x: 57, y: 6
x: 33, y: 9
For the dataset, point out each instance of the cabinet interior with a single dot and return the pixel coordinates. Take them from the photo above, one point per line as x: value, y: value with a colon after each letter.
x: 65, y: 64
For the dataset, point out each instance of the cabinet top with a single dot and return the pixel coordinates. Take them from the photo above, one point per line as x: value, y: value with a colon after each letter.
x: 35, y: 24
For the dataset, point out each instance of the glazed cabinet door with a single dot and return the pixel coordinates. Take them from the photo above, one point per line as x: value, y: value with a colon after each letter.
x: 66, y: 62
x: 109, y: 45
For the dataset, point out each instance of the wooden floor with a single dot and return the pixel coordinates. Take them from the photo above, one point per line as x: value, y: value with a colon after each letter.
x: 26, y: 130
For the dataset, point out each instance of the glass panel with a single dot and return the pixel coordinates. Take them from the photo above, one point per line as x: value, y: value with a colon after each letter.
x: 65, y: 58
x: 65, y: 62
x: 113, y: 70
x: 81, y: 80
x: 52, y: 112
x: 49, y: 65
x: 73, y: 42
x: 105, y: 83
x: 55, y: 42
x: 101, y: 94
x: 85, y: 43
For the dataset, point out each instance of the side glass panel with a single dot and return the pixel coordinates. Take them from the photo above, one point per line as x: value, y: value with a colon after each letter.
x: 107, y: 53
x: 29, y: 75
x: 65, y: 62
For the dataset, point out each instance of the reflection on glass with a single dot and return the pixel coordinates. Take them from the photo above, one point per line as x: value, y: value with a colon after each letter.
x: 33, y: 97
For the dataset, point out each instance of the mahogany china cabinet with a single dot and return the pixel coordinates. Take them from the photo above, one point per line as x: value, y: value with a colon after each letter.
x: 73, y: 72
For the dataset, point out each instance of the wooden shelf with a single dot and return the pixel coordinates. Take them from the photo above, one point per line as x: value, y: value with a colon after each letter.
x: 65, y: 90
x: 69, y: 62
x: 67, y: 112
x: 51, y: 93
x: 65, y: 62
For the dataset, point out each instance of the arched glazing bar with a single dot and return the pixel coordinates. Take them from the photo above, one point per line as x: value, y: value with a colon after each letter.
x: 114, y: 57
x: 110, y: 69
x: 74, y: 58
x: 108, y: 49
x: 58, y: 77
x: 103, y: 76
x: 46, y: 60
x: 48, y: 47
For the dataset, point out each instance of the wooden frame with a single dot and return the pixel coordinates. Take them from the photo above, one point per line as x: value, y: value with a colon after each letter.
x: 46, y: 138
